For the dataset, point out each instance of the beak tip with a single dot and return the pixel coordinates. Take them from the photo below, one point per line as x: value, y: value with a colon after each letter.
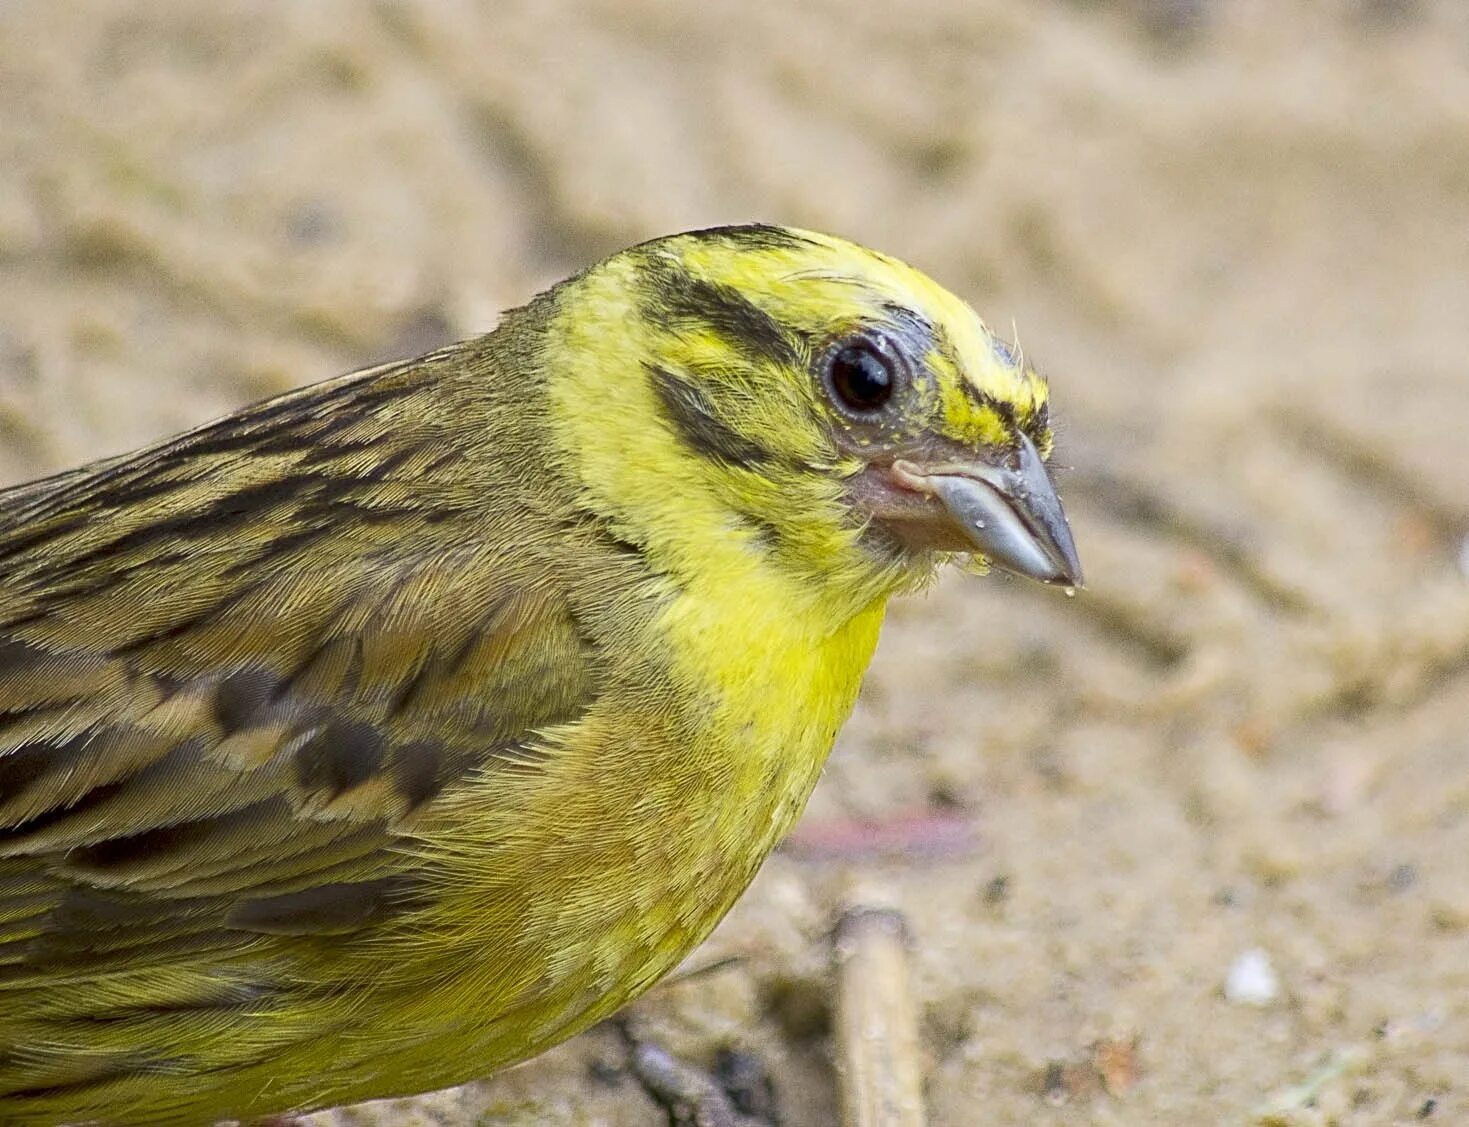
x: 1071, y: 580
x: 1066, y: 575
x: 1069, y: 573
x: 1014, y: 518
x: 1059, y: 547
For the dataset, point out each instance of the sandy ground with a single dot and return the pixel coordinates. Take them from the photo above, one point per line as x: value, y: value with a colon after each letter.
x: 1236, y: 234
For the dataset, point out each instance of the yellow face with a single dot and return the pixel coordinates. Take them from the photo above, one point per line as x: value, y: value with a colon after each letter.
x: 798, y: 361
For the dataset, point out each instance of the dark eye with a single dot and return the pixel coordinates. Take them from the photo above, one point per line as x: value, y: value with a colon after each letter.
x: 861, y: 376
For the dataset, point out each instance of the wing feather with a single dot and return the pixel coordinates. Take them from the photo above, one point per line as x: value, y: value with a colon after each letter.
x: 234, y: 670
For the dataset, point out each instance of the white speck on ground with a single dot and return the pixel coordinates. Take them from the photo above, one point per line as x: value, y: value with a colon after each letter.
x: 1252, y: 980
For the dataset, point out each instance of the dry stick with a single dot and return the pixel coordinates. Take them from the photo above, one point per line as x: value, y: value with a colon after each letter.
x: 877, y: 1031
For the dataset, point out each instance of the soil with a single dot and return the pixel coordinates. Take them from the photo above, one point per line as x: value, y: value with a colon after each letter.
x: 1236, y: 236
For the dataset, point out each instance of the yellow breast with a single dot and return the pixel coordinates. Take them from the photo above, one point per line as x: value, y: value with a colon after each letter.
x: 778, y: 672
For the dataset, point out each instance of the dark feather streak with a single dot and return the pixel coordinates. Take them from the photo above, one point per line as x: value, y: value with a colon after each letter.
x: 418, y: 771
x: 101, y: 1072
x: 122, y: 852
x: 753, y: 236
x: 240, y: 697
x: 72, y: 947
x: 277, y: 548
x: 84, y: 911
x: 326, y: 909
x: 192, y: 622
x: 24, y: 765
x: 47, y: 818
x: 703, y: 432
x: 340, y: 755
x: 296, y: 422
x: 17, y: 656
x: 39, y: 534
x: 684, y: 302
x: 224, y: 996
x: 247, y: 503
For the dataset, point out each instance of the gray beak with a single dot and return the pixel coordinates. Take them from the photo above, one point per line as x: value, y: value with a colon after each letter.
x: 1012, y: 516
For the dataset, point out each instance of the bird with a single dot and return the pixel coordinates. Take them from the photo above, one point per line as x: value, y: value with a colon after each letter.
x: 390, y: 731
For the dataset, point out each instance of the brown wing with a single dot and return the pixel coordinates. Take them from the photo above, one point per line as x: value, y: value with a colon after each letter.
x: 234, y: 670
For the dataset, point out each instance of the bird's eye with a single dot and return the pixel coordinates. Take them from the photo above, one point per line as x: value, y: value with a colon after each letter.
x: 861, y: 376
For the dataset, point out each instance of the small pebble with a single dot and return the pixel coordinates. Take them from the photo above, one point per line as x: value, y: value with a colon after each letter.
x: 1252, y: 980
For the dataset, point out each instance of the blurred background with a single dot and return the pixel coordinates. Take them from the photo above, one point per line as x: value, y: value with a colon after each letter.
x: 1192, y: 847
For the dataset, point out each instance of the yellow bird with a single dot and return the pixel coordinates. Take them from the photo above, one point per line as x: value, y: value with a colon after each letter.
x: 390, y: 731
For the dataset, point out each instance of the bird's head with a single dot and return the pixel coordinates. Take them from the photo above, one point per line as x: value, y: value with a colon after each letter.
x: 831, y: 408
